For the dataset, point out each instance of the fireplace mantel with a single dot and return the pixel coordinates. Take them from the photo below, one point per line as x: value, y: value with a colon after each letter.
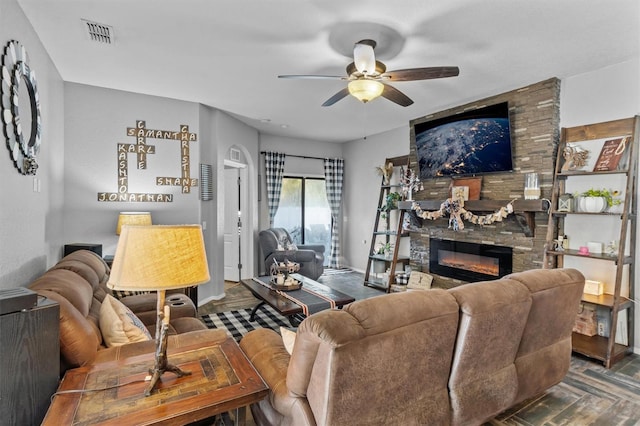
x: 523, y: 209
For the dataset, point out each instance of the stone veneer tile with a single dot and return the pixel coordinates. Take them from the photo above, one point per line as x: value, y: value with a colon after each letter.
x: 535, y: 120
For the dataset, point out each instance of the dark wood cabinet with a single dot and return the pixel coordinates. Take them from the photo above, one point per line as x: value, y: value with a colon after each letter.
x: 29, y: 363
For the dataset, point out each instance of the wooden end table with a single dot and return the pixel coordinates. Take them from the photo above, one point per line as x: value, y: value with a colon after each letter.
x: 222, y: 379
x: 287, y: 307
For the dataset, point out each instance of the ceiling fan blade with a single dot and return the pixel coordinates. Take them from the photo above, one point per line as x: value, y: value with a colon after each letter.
x: 394, y: 95
x: 421, y: 73
x: 317, y: 77
x: 335, y: 98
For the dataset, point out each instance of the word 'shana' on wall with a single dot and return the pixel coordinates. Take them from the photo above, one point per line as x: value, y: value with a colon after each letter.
x: 142, y: 150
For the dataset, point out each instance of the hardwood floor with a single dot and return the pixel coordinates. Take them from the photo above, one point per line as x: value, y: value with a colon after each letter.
x: 236, y: 297
x: 589, y: 395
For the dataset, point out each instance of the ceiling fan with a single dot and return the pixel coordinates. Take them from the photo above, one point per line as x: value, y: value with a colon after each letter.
x: 368, y: 77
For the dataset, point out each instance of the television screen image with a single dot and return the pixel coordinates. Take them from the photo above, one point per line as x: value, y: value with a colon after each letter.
x: 470, y: 143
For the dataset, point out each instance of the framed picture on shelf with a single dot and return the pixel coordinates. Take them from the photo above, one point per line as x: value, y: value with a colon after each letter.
x: 419, y: 281
x: 458, y: 192
x: 472, y: 184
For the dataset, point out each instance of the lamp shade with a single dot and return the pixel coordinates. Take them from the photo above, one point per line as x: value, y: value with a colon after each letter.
x: 365, y: 90
x: 132, y: 218
x: 159, y: 257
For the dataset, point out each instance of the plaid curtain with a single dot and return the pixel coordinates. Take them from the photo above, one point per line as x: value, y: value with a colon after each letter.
x: 274, y: 169
x: 333, y: 171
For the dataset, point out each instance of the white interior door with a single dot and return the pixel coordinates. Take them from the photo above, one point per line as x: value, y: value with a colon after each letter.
x: 231, y: 236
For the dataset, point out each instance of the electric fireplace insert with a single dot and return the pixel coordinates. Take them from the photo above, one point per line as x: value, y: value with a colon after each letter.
x: 469, y: 261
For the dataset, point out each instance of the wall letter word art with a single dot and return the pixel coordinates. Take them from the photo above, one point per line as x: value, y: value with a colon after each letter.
x: 142, y: 150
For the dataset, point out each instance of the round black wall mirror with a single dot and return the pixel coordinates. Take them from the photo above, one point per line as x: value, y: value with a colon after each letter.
x: 20, y: 105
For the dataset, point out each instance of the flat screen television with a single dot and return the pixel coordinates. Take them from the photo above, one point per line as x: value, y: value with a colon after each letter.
x: 471, y: 143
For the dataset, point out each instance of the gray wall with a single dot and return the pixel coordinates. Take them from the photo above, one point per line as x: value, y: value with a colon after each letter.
x: 362, y: 189
x: 96, y: 121
x: 31, y: 222
x: 226, y: 132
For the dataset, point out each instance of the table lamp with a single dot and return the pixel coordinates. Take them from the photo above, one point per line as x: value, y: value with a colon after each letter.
x: 160, y: 258
x: 132, y: 218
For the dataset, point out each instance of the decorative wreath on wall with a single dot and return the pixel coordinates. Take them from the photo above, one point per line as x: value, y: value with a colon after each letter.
x: 16, y: 77
x: 454, y: 207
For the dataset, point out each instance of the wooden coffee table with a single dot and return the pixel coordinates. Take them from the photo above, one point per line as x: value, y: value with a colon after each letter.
x: 286, y: 307
x: 222, y: 379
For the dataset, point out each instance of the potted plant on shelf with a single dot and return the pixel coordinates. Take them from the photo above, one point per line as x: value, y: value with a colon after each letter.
x: 598, y: 200
x: 385, y: 249
x: 390, y: 203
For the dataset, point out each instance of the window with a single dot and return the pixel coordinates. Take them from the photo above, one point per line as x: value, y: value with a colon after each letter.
x: 304, y: 212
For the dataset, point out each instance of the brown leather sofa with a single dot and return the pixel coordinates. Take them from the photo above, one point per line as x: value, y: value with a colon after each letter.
x: 437, y: 357
x: 78, y: 284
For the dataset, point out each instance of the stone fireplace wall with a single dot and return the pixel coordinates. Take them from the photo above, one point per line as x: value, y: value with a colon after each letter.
x: 535, y: 121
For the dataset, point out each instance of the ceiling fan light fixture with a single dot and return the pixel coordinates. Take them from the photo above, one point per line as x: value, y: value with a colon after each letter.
x: 364, y: 58
x: 365, y: 90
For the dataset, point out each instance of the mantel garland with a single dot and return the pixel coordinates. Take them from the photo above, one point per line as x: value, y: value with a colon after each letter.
x: 457, y: 213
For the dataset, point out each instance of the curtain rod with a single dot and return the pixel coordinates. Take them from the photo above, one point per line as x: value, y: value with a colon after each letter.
x: 299, y: 156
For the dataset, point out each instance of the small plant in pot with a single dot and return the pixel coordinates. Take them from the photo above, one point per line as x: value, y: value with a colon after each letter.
x: 391, y: 201
x: 384, y: 249
x: 597, y: 200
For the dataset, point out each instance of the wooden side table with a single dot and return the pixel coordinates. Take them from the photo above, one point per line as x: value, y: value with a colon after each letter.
x: 222, y: 379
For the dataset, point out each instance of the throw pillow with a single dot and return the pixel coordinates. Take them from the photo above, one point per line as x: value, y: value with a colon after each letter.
x: 292, y: 246
x: 286, y: 244
x: 289, y: 338
x: 119, y: 325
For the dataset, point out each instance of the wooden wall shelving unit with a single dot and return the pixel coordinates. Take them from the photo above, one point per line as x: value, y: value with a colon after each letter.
x: 599, y: 347
x: 386, y: 232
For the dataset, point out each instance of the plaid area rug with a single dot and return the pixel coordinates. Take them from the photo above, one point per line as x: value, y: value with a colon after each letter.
x: 237, y: 323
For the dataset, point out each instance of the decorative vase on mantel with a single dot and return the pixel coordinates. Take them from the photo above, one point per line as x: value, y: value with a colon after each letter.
x: 592, y: 204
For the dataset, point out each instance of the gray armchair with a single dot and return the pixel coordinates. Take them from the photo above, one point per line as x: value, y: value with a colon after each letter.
x: 276, y: 243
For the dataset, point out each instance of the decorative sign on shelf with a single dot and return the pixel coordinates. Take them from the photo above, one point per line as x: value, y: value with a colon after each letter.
x: 142, y: 151
x: 610, y: 155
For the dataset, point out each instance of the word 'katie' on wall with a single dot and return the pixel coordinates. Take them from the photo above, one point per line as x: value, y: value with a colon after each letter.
x: 142, y: 151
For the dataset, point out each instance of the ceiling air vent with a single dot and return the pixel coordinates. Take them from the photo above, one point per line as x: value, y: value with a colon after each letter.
x: 98, y: 32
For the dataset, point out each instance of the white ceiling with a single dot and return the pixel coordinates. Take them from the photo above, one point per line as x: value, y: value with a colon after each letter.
x: 228, y: 53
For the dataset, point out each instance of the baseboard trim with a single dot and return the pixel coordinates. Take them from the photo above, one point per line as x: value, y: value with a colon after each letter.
x: 210, y: 299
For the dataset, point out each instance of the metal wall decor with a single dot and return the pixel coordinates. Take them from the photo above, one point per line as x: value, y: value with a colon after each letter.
x: 22, y: 129
x: 142, y: 150
x: 206, y: 182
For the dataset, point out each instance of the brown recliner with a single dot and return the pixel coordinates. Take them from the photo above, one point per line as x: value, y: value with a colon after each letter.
x: 433, y: 357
